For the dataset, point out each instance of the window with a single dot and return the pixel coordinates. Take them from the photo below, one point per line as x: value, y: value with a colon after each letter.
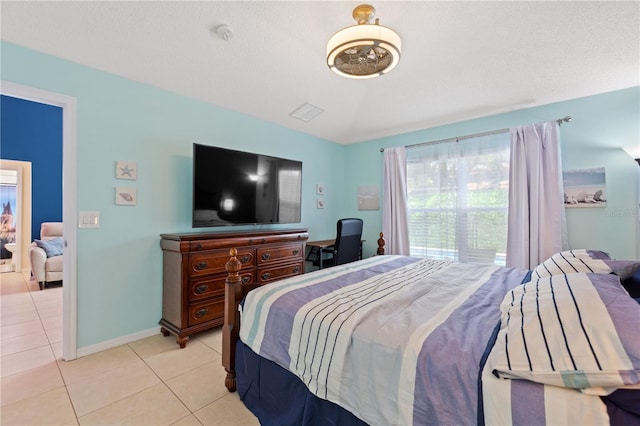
x: 457, y: 196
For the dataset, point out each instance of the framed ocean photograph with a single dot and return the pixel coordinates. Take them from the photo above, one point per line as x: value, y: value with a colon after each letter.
x: 368, y: 198
x: 585, y: 188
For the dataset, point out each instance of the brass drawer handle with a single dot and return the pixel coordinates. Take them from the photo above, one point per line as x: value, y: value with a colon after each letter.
x: 296, y: 269
x: 245, y: 258
x: 296, y: 251
x: 201, y: 265
x: 265, y: 256
x: 245, y: 279
x: 202, y: 288
x: 202, y: 312
x: 265, y: 275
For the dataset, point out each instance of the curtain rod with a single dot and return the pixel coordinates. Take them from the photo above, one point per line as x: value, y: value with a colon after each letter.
x: 477, y: 135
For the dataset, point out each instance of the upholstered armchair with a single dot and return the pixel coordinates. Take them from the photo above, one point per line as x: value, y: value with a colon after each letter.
x: 46, y: 254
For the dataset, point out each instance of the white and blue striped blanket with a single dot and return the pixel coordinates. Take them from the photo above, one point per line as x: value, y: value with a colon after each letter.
x: 586, y: 326
x: 575, y: 333
x: 394, y: 340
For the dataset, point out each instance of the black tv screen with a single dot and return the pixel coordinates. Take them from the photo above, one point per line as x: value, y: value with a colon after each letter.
x: 234, y: 188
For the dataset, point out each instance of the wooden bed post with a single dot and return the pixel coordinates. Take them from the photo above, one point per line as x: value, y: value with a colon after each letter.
x: 231, y: 327
x: 234, y: 292
x: 380, y: 244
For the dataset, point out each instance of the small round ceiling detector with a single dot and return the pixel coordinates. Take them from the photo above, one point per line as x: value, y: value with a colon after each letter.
x: 224, y: 32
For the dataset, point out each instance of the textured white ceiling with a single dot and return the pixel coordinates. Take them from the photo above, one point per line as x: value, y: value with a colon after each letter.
x: 460, y: 60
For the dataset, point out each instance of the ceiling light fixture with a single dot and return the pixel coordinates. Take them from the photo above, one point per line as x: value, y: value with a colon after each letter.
x: 364, y: 50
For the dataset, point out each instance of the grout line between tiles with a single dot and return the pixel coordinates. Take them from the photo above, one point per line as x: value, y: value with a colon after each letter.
x: 65, y: 383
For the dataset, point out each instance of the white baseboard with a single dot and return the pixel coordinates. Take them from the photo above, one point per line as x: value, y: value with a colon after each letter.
x: 123, y: 340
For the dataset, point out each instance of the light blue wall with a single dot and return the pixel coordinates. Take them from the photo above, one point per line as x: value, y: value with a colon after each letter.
x: 119, y: 264
x: 601, y: 125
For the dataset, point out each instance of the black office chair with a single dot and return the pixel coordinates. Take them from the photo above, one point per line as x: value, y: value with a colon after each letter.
x: 347, y: 247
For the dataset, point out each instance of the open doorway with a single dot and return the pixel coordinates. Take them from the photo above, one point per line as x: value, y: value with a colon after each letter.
x: 69, y: 202
x: 15, y: 184
x: 8, y: 220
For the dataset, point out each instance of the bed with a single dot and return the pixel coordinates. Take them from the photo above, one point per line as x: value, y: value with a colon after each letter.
x: 402, y: 340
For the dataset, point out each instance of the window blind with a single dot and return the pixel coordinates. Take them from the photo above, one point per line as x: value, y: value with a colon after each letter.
x: 457, y: 195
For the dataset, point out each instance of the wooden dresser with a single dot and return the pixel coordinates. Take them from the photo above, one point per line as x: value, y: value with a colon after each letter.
x: 193, y: 273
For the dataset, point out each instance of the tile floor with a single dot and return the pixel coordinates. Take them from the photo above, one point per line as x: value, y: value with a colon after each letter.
x: 147, y: 382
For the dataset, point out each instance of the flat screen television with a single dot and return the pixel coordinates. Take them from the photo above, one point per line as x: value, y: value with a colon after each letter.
x: 239, y: 188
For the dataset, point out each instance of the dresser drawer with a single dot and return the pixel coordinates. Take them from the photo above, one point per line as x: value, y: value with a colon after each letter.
x: 206, y: 311
x: 265, y: 275
x: 203, y: 288
x: 212, y: 262
x: 279, y: 253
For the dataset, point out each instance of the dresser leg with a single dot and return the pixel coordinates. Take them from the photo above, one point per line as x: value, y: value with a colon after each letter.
x: 164, y: 331
x: 182, y: 341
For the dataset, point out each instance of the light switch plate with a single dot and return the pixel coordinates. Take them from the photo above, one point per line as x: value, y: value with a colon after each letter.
x: 89, y: 220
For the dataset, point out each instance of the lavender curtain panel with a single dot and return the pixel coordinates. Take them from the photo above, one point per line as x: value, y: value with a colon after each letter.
x: 394, y: 204
x: 537, y: 226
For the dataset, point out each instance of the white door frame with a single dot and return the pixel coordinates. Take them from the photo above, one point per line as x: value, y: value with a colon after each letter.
x: 69, y: 204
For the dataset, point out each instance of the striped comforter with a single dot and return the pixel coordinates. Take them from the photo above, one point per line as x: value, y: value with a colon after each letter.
x: 394, y: 340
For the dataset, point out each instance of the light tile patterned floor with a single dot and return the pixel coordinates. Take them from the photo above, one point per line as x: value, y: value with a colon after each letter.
x: 147, y: 382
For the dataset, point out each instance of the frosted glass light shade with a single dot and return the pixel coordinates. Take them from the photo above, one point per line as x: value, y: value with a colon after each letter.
x: 363, y: 51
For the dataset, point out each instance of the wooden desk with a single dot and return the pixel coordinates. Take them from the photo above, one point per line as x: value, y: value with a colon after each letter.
x: 315, y: 252
x: 321, y: 244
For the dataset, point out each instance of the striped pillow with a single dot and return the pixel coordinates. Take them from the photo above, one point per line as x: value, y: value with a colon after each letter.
x: 587, y: 261
x: 575, y: 330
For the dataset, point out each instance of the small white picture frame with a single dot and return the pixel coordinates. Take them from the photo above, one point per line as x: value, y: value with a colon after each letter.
x: 319, y: 203
x: 126, y: 196
x: 126, y: 170
x: 319, y: 189
x: 368, y: 198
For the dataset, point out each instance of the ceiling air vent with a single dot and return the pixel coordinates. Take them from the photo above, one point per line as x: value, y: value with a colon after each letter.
x: 306, y: 112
